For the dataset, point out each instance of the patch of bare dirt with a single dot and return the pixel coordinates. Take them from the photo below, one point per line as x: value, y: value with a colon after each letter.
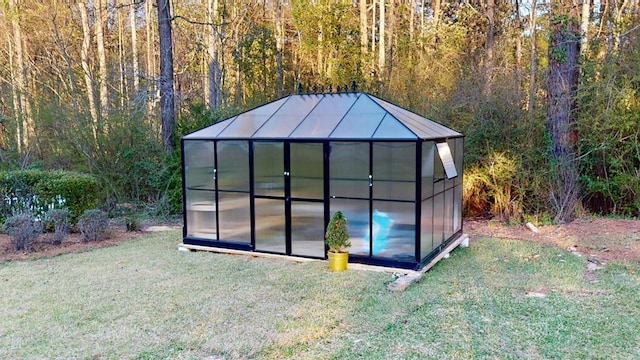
x: 596, y: 238
x: 72, y: 243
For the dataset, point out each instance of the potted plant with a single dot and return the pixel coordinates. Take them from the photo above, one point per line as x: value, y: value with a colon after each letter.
x: 337, y: 239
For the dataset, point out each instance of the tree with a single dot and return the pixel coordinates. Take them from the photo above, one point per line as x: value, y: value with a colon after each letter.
x: 167, y: 104
x: 562, y: 82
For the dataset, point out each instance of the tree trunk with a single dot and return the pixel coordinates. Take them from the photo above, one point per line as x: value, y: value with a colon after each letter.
x: 364, y: 41
x: 584, y: 27
x: 519, y: 31
x: 381, y: 41
x: 531, y: 103
x: 24, y: 121
x: 279, y: 47
x: 488, y: 47
x: 213, y: 73
x: 561, y: 87
x: 134, y: 49
x: 167, y: 112
x: 86, y: 69
x: 121, y: 55
x: 100, y: 7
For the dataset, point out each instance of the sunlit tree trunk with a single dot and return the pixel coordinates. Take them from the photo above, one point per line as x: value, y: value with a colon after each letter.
x: 381, y: 41
x: 363, y: 27
x: 134, y: 48
x: 151, y: 66
x: 121, y: 55
x: 279, y: 46
x: 24, y: 120
x: 584, y: 27
x: 213, y: 73
x: 562, y: 82
x: 519, y: 31
x: 84, y: 59
x: 100, y: 10
x: 167, y: 102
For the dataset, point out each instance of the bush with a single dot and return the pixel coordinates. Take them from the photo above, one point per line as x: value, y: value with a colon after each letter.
x: 38, y: 191
x: 24, y: 230
x: 337, y: 235
x: 93, y: 225
x: 60, y: 220
x: 132, y: 223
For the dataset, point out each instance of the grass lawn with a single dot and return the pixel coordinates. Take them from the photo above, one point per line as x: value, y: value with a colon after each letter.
x: 145, y: 300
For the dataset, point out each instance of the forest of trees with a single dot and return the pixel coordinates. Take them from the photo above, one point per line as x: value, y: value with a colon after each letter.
x: 546, y: 92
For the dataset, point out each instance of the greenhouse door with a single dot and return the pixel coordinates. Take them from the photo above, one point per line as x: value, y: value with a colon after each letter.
x: 289, y: 197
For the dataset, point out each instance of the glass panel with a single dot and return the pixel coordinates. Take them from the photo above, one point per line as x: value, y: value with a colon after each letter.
x: 289, y: 116
x: 211, y: 131
x: 270, y: 225
x: 199, y: 165
x: 428, y: 152
x: 201, y: 214
x: 457, y: 208
x: 451, y: 181
x: 459, y: 159
x: 307, y: 170
x: 200, y: 189
x: 268, y: 168
x: 390, y: 128
x: 307, y: 229
x: 426, y: 228
x: 235, y: 217
x: 233, y: 165
x: 448, y: 213
x: 394, y: 230
x: 349, y: 169
x: 444, y: 152
x: 361, y: 121
x: 324, y: 117
x: 357, y: 214
x: 394, y: 171
x: 244, y: 126
x: 438, y: 219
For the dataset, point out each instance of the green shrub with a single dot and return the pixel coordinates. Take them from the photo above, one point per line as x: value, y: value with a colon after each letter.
x: 93, y: 225
x: 337, y: 235
x: 24, y: 230
x: 37, y: 191
x: 132, y: 223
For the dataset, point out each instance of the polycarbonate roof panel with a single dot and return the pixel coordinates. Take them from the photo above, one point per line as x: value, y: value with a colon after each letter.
x: 391, y: 128
x: 421, y: 126
x: 325, y: 116
x: 289, y: 116
x: 334, y: 116
x: 361, y: 121
x: 212, y: 131
x: 250, y: 121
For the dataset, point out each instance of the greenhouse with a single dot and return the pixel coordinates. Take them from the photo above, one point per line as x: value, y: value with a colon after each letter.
x: 267, y: 180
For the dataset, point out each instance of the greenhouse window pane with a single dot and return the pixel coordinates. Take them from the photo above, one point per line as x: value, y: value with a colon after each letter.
x: 307, y: 170
x: 428, y: 153
x: 201, y: 214
x: 459, y: 154
x: 268, y: 168
x: 270, y: 225
x: 307, y: 228
x: 426, y: 228
x: 357, y: 214
x: 199, y: 165
x: 235, y: 217
x: 447, y: 160
x: 394, y: 230
x: 394, y: 170
x: 233, y: 165
x: 349, y: 169
x: 438, y: 219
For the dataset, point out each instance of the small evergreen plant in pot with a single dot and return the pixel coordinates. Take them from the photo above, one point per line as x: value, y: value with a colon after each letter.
x: 337, y: 239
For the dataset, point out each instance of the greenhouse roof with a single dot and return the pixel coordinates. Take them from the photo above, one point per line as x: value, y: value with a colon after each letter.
x: 336, y: 116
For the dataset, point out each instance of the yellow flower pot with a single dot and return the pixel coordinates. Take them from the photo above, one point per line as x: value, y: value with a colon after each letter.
x: 338, y: 261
